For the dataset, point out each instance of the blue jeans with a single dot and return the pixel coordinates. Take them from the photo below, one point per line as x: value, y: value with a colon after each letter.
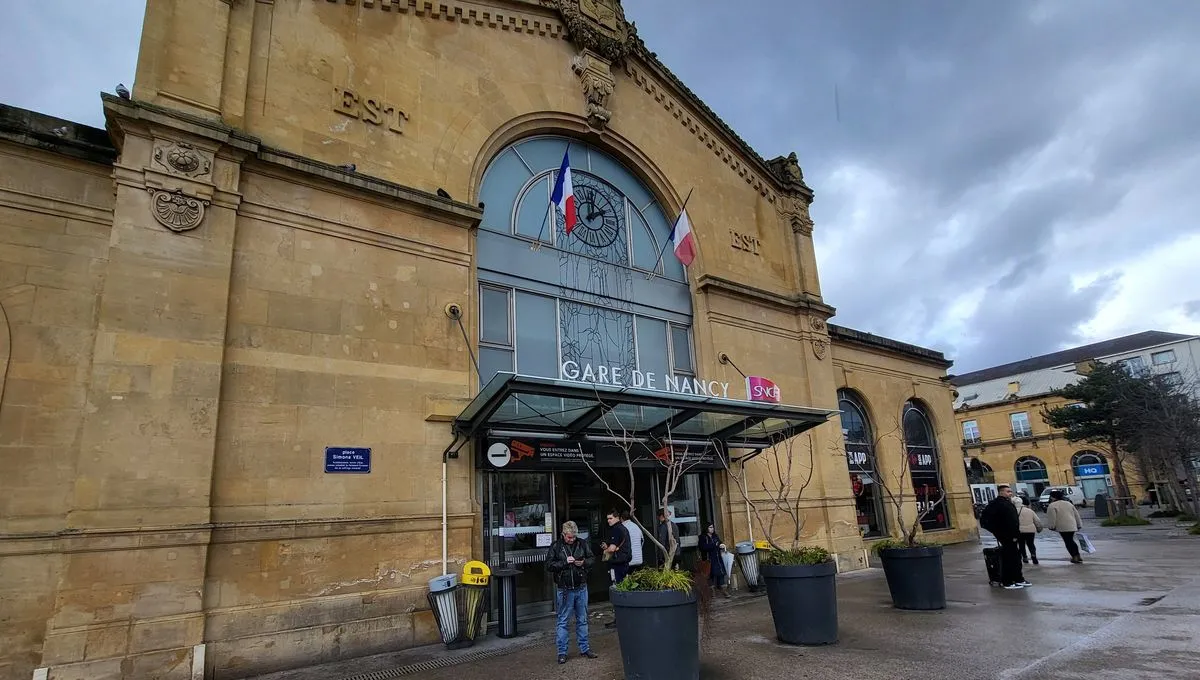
x: 568, y: 602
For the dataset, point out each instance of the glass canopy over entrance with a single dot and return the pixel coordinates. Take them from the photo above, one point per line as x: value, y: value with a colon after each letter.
x: 563, y: 409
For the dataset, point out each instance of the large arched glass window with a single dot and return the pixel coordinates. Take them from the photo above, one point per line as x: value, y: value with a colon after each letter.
x: 860, y: 460
x: 609, y: 294
x: 924, y: 467
x: 1091, y: 472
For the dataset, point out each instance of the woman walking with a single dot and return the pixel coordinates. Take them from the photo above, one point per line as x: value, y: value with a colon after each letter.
x: 1062, y: 516
x: 1031, y: 526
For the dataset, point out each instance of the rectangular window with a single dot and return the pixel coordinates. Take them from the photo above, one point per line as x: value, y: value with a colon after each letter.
x: 537, y: 335
x: 654, y: 355
x: 1173, y: 379
x: 496, y: 316
x: 970, y: 432
x: 681, y: 349
x: 1020, y: 425
x: 1135, y: 366
x: 1163, y: 357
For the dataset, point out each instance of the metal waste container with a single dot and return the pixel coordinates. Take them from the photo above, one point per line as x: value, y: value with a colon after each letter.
x: 475, y: 578
x: 443, y: 601
x: 747, y: 556
x: 507, y: 577
x: 1101, y: 506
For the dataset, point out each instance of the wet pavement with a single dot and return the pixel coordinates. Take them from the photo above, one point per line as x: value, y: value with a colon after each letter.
x: 1132, y: 610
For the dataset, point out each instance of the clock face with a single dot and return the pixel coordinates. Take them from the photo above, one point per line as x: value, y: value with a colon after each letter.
x: 601, y: 212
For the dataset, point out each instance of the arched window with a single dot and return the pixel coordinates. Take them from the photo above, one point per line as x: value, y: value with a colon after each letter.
x: 924, y: 467
x: 979, y: 472
x: 860, y: 460
x: 1031, y: 469
x: 610, y: 293
x: 1091, y: 471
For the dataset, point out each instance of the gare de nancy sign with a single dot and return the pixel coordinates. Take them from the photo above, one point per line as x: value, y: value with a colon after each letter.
x: 757, y: 388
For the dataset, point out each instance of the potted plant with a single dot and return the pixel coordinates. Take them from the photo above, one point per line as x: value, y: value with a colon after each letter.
x: 801, y: 580
x: 657, y: 607
x: 912, y: 566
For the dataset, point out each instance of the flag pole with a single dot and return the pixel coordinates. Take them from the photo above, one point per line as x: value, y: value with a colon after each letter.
x: 537, y: 244
x: 654, y: 269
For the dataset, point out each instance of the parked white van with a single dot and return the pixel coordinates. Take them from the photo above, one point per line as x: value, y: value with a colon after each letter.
x: 1071, y: 493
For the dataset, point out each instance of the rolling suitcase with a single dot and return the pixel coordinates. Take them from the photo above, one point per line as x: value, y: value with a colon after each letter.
x: 991, y: 558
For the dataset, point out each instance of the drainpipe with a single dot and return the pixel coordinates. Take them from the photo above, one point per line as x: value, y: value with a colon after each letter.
x: 445, y: 524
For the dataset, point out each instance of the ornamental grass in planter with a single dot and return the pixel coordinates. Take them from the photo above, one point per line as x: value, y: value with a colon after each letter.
x: 801, y: 580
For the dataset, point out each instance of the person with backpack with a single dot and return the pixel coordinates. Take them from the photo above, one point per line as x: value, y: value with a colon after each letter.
x: 1000, y: 517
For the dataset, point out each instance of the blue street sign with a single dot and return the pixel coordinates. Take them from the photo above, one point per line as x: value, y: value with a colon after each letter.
x: 339, y: 459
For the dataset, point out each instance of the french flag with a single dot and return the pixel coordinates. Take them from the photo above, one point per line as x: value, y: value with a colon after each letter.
x: 564, y: 192
x: 682, y: 239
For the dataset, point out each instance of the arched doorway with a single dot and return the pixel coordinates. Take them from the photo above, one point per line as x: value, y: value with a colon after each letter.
x: 1091, y: 471
x: 861, y: 464
x: 924, y: 467
x: 1032, y: 476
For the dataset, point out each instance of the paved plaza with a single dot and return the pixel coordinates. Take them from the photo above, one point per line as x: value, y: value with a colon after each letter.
x: 1132, y: 610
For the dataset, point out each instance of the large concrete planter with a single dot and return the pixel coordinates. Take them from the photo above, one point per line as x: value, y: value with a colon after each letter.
x: 914, y: 577
x: 803, y: 602
x: 659, y: 632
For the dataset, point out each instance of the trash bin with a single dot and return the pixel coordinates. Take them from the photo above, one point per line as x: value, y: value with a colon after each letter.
x: 747, y: 556
x: 475, y: 579
x: 1101, y: 506
x: 507, y: 578
x: 443, y: 596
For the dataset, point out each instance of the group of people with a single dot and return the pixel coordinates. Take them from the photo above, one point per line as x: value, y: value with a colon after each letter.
x: 1015, y: 525
x: 570, y: 561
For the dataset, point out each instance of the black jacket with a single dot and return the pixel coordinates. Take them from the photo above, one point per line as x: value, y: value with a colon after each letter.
x: 1000, y: 517
x: 570, y: 576
x: 619, y: 536
x: 661, y: 533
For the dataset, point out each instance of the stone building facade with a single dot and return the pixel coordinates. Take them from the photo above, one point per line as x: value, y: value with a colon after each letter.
x: 307, y: 232
x: 1006, y: 440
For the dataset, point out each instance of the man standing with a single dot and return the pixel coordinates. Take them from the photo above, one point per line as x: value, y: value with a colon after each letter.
x: 666, y: 531
x: 569, y: 560
x: 1000, y: 517
x: 636, y: 541
x: 619, y: 552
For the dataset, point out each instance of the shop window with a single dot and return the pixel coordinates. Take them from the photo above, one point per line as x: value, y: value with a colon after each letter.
x: 924, y: 467
x: 860, y: 461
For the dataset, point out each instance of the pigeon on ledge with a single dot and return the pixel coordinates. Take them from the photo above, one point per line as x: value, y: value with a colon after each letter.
x: 122, y: 91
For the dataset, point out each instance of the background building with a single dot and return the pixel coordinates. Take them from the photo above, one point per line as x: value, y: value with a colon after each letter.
x: 293, y: 243
x: 999, y: 410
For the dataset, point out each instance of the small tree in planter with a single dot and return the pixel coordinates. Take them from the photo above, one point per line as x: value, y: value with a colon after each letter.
x: 913, y: 567
x: 801, y: 580
x: 656, y: 608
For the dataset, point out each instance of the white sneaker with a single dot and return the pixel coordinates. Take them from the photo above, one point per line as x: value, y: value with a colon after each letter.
x: 1025, y: 584
x: 1014, y: 587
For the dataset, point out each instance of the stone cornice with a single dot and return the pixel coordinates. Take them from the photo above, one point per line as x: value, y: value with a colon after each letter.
x: 793, y: 303
x: 29, y: 128
x: 841, y: 334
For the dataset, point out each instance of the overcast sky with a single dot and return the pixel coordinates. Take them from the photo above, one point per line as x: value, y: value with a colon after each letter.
x: 994, y: 179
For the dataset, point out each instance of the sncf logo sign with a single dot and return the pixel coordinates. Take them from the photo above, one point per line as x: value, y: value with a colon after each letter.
x: 761, y: 389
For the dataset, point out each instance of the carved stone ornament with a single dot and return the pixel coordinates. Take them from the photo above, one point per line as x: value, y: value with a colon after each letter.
x: 176, y: 210
x: 819, y: 348
x: 597, y: 80
x: 788, y: 171
x: 596, y: 25
x: 795, y: 210
x: 817, y: 323
x: 183, y: 159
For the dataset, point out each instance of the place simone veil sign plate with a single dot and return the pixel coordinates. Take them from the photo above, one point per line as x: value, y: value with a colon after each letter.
x: 757, y: 388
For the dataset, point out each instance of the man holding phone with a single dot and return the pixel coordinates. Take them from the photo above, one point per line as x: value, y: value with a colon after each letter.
x: 569, y: 560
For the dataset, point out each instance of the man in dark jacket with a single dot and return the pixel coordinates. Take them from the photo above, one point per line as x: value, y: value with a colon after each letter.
x: 664, y: 532
x: 1000, y: 517
x: 569, y: 560
x: 620, y: 552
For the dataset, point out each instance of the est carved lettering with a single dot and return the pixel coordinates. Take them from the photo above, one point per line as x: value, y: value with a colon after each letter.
x: 368, y: 109
x: 744, y: 242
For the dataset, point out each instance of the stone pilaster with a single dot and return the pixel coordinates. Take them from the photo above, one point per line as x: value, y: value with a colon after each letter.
x: 129, y: 600
x: 182, y: 62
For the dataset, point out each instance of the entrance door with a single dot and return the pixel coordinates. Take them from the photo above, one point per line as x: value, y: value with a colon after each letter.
x: 519, y: 526
x: 1092, y: 486
x: 584, y: 499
